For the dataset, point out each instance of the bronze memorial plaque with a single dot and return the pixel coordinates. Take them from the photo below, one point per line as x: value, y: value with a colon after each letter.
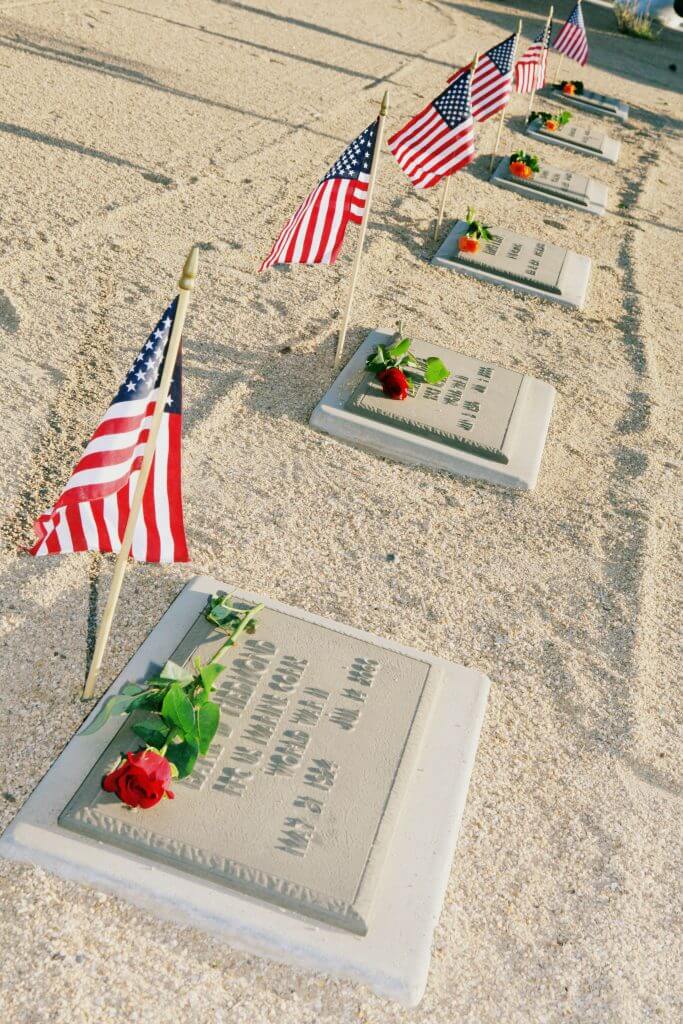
x: 296, y: 801
x: 472, y: 410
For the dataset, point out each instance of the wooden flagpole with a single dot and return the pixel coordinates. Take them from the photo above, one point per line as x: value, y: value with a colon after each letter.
x: 442, y: 207
x: 447, y: 182
x: 545, y: 35
x: 560, y: 62
x: 504, y: 110
x: 186, y: 285
x: 374, y: 167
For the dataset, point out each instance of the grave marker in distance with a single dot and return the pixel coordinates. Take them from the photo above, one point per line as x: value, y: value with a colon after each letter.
x: 483, y: 421
x: 523, y: 264
x: 581, y: 138
x: 557, y: 186
x: 591, y: 102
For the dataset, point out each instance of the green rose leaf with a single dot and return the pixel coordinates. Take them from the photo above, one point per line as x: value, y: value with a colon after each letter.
x: 173, y: 671
x: 183, y: 756
x: 208, y: 718
x: 208, y: 675
x: 116, y: 705
x: 435, y: 371
x: 152, y: 733
x: 148, y: 700
x: 132, y: 688
x: 177, y: 709
x: 399, y: 349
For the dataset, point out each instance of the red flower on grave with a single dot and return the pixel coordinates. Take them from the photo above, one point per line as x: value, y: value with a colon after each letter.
x: 394, y: 383
x: 140, y: 779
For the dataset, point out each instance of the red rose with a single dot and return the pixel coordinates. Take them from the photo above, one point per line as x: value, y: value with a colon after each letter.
x: 394, y: 383
x: 140, y: 780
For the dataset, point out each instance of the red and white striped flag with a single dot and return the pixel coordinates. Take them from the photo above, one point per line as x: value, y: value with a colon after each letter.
x: 439, y: 140
x: 530, y: 69
x: 92, y: 512
x: 492, y: 82
x: 572, y: 40
x: 314, y: 234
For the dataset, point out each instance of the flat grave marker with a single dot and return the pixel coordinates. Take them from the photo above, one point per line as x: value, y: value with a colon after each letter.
x: 579, y: 137
x: 557, y: 186
x: 339, y: 772
x: 483, y: 421
x: 527, y: 265
x: 591, y: 102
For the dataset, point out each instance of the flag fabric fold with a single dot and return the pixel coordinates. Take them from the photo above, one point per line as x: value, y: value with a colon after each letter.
x: 439, y: 140
x: 92, y: 511
x: 530, y: 69
x: 315, y: 233
x: 492, y: 82
x: 572, y: 40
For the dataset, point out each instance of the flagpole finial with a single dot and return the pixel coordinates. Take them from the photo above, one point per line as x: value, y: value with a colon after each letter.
x: 474, y: 62
x: 187, y: 278
x: 385, y: 104
x: 519, y: 27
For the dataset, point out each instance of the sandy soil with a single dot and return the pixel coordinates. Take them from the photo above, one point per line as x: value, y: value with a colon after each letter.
x: 130, y: 130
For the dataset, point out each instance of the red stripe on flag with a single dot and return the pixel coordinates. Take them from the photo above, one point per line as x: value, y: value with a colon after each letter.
x: 73, y: 519
x: 153, y: 542
x: 175, y: 489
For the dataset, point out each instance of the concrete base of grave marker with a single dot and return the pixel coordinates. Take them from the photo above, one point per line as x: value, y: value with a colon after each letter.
x: 583, y: 139
x: 484, y: 421
x: 591, y: 102
x: 523, y: 264
x: 557, y: 186
x: 334, y: 865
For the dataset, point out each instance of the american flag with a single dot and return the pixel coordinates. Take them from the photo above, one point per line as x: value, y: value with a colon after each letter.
x: 531, y: 66
x: 92, y: 511
x: 439, y: 140
x: 572, y: 40
x: 316, y: 231
x: 492, y: 82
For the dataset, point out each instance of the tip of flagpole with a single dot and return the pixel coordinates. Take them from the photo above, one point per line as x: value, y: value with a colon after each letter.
x: 187, y: 278
x: 519, y: 27
x: 385, y: 103
x: 474, y: 62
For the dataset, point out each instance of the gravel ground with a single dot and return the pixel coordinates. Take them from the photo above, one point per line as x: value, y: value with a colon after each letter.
x: 130, y: 130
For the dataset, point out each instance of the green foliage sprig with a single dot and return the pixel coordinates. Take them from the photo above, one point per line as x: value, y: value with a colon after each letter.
x: 561, y: 118
x: 182, y: 719
x: 475, y: 228
x: 522, y: 157
x: 399, y: 356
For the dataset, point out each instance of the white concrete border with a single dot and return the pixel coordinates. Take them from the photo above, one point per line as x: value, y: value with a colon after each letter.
x: 393, y: 958
x: 530, y: 424
x: 573, y: 282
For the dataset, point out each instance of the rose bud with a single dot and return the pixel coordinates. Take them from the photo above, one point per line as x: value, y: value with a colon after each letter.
x: 468, y: 244
x: 140, y: 779
x: 394, y: 383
